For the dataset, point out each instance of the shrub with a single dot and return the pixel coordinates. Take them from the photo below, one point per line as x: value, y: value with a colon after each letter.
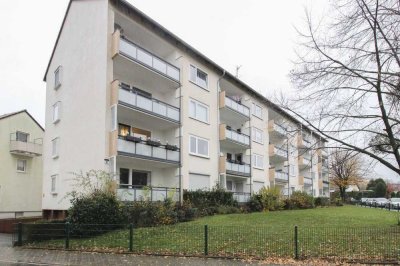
x: 337, y: 202
x: 322, y: 201
x: 299, y: 200
x: 266, y: 199
x: 216, y: 197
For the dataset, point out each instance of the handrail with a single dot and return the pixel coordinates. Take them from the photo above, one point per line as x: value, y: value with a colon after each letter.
x: 240, y: 133
x: 244, y: 107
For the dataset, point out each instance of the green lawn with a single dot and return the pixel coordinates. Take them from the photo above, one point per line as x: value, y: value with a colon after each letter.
x: 349, y: 231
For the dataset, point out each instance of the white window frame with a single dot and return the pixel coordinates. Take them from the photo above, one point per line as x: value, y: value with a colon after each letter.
x: 254, y: 108
x: 195, y: 81
x: 197, y: 103
x: 258, y: 161
x: 53, y: 184
x: 58, y: 77
x: 56, y: 119
x: 24, y: 165
x: 55, y: 147
x: 253, y: 137
x: 196, y: 153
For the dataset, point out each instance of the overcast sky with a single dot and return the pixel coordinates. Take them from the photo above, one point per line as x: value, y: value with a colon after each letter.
x: 257, y: 35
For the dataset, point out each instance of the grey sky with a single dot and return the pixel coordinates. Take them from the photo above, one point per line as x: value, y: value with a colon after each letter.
x: 258, y: 35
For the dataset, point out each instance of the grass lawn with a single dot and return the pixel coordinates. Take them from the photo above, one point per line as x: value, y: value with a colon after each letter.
x: 349, y: 231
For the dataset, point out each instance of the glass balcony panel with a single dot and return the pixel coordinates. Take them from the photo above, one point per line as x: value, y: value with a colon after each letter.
x: 144, y: 103
x: 143, y: 149
x: 144, y: 57
x: 159, y: 65
x: 160, y: 108
x: 172, y: 155
x: 159, y: 153
x: 127, y: 48
x: 127, y: 97
x: 173, y: 113
x: 173, y: 72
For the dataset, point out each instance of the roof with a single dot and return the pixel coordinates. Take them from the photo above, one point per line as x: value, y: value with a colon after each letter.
x: 176, y: 41
x: 19, y: 112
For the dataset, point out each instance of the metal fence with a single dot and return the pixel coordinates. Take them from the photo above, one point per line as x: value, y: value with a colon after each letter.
x: 380, y: 244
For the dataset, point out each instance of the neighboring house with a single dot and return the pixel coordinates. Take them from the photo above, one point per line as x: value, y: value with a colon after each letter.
x: 353, y: 188
x: 21, y: 174
x: 126, y: 95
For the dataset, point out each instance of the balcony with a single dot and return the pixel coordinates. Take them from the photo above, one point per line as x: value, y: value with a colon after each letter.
x: 276, y: 129
x: 25, y: 148
x: 131, y: 58
x: 232, y: 139
x: 147, y: 108
x: 233, y: 111
x: 308, y: 181
x: 304, y: 162
x: 148, y: 150
x: 303, y: 142
x: 322, y: 153
x: 140, y: 193
x: 235, y: 168
x: 277, y: 154
x: 278, y: 176
x: 241, y: 196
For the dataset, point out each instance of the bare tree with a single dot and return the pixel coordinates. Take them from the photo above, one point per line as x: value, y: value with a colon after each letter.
x: 345, y: 169
x: 348, y: 75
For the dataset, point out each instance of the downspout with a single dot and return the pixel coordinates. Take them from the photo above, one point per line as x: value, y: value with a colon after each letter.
x: 218, y: 123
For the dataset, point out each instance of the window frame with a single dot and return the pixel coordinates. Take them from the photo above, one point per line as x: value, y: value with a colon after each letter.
x: 196, y: 153
x: 253, y: 135
x: 198, y: 103
x: 256, y: 158
x: 55, y: 143
x: 196, y: 81
x: 25, y: 164
x: 58, y: 105
x: 254, y: 108
x: 58, y: 77
x: 22, y: 133
x: 53, y: 184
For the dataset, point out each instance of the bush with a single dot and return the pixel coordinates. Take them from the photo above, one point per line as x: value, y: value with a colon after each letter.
x: 267, y: 199
x: 216, y: 197
x: 337, y: 202
x: 322, y: 201
x: 299, y: 200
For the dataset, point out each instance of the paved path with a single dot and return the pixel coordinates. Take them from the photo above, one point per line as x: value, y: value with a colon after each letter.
x: 21, y: 256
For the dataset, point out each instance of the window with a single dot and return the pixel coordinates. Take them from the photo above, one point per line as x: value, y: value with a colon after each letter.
x: 198, y: 77
x: 56, y: 112
x: 124, y: 130
x: 123, y: 177
x: 55, y: 144
x: 257, y: 110
x: 139, y: 178
x: 53, y: 187
x: 229, y: 185
x: 57, y: 77
x: 21, y: 136
x: 198, y: 146
x: 257, y: 135
x: 198, y: 111
x: 21, y: 166
x: 258, y: 161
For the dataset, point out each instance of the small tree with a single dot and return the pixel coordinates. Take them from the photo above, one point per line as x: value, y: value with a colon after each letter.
x: 378, y: 186
x: 346, y: 169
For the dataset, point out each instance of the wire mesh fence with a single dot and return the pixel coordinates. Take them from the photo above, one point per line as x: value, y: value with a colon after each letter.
x: 358, y: 243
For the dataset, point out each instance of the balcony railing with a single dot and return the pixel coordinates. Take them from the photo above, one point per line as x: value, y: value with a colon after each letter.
x: 238, y: 107
x: 235, y: 168
x: 136, y: 147
x: 306, y: 161
x: 241, y: 196
x: 140, y: 193
x: 149, y: 105
x: 140, y: 55
x: 281, y: 176
x: 277, y: 128
x: 238, y: 137
x: 25, y: 148
x: 307, y: 180
x: 279, y: 151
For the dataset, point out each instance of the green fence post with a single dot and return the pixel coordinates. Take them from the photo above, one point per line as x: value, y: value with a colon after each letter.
x: 67, y: 232
x: 19, y: 242
x: 130, y: 237
x: 296, y: 243
x: 205, y: 240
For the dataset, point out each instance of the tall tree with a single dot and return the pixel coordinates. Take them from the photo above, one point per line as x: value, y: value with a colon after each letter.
x: 345, y: 169
x: 348, y: 75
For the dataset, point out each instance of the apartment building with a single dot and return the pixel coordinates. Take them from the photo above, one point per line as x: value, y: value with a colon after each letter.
x: 21, y: 173
x: 134, y: 99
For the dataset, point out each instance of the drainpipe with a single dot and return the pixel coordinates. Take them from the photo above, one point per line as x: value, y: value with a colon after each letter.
x: 218, y: 123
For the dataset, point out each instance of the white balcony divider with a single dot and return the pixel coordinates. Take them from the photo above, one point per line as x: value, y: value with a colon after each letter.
x: 144, y: 150
x: 140, y: 55
x: 238, y: 168
x: 150, y: 105
x: 238, y: 137
x: 237, y: 106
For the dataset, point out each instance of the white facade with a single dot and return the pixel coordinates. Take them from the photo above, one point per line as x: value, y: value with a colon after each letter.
x: 137, y: 101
